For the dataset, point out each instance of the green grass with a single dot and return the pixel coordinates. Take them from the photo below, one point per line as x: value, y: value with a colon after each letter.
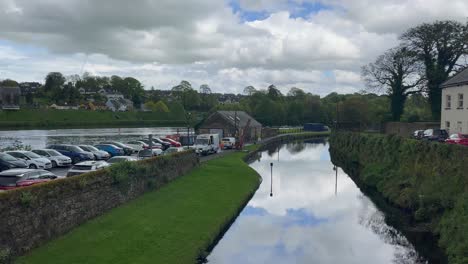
x: 43, y: 118
x: 175, y: 224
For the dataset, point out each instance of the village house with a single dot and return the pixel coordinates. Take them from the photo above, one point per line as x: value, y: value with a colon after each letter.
x: 454, y: 106
x: 226, y: 123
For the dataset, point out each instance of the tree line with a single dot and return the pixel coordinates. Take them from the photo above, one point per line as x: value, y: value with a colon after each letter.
x: 426, y: 57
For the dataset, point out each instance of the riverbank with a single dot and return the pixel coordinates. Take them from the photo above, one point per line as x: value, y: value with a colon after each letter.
x: 426, y: 182
x: 54, y: 119
x: 175, y: 224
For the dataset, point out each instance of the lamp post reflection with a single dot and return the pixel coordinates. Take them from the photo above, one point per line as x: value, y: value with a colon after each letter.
x: 271, y: 180
x: 335, y: 168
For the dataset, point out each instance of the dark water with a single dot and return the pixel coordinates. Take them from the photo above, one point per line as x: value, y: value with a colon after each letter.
x: 314, y: 216
x: 41, y: 138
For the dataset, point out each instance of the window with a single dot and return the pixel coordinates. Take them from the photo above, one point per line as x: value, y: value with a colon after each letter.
x: 448, y: 101
x: 459, y: 126
x: 447, y: 125
x: 460, y: 101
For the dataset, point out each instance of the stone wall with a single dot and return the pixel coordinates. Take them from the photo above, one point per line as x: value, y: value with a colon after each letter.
x: 34, y: 215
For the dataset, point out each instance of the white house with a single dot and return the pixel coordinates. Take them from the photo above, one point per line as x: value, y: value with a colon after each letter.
x: 454, y: 104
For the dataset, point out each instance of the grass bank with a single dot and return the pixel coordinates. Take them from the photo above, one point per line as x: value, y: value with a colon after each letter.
x: 175, y: 224
x: 49, y: 118
x: 427, y: 181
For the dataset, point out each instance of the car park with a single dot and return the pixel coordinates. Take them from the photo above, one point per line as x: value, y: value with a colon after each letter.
x: 154, y: 144
x: 127, y: 149
x: 228, y: 142
x: 164, y: 145
x: 87, y: 166
x: 138, y: 145
x: 98, y: 154
x: 118, y: 159
x: 457, y: 139
x: 149, y: 153
x: 172, y: 150
x: 74, y: 152
x: 56, y: 158
x: 439, y: 135
x: 172, y: 142
x: 16, y: 178
x: 9, y: 162
x: 33, y: 160
x: 111, y: 149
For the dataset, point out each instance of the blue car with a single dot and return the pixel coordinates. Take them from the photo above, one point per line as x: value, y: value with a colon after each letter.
x: 75, y: 153
x: 111, y: 149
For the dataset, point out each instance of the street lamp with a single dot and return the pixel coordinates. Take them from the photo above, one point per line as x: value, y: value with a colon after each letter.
x: 271, y: 180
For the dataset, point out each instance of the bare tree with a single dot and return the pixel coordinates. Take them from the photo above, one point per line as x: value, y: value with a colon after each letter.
x: 398, y: 73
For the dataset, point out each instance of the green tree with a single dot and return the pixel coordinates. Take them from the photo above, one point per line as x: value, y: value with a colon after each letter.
x: 249, y: 90
x: 439, y: 46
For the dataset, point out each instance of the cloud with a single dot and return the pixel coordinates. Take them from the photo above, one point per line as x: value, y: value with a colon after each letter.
x: 209, y: 41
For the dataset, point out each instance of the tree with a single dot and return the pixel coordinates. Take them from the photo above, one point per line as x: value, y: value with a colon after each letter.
x: 439, y: 46
x: 398, y: 72
x: 274, y: 93
x: 296, y: 92
x: 9, y: 83
x: 54, y: 81
x: 160, y: 106
x: 205, y: 89
x: 183, y: 86
x: 249, y: 90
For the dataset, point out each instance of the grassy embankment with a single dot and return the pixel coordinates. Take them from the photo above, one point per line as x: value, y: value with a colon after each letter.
x: 427, y: 181
x: 175, y: 224
x: 44, y: 119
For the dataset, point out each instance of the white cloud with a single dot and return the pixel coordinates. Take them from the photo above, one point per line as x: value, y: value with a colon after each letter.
x: 162, y: 41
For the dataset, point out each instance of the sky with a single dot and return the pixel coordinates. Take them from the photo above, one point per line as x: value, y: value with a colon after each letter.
x: 316, y: 45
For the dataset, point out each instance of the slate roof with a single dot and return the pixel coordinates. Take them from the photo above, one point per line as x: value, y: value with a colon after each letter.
x: 242, y: 118
x: 459, y: 79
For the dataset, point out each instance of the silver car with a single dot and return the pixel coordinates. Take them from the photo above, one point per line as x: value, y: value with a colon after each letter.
x: 33, y: 160
x: 57, y: 158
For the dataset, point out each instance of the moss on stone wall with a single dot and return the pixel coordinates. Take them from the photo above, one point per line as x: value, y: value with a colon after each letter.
x: 427, y: 180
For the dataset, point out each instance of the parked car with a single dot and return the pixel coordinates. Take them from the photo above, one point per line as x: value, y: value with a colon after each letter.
x: 435, y: 135
x: 74, y: 152
x: 228, y: 142
x: 16, y: 178
x: 148, y: 153
x: 418, y: 134
x: 164, y: 145
x: 98, y: 154
x: 138, y: 145
x: 9, y: 162
x: 172, y: 142
x: 57, y: 158
x: 111, y: 149
x: 118, y: 159
x: 154, y: 144
x: 172, y: 150
x: 127, y: 149
x: 87, y: 166
x: 33, y: 160
x: 458, y: 139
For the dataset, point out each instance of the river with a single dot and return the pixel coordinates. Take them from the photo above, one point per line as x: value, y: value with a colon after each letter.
x: 315, y: 215
x: 42, y: 138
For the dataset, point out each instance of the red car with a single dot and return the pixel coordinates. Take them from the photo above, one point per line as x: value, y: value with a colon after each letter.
x: 16, y: 178
x: 458, y: 139
x: 172, y: 142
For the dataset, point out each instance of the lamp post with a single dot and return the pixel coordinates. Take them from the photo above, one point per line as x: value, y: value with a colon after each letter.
x: 188, y: 128
x: 336, y: 179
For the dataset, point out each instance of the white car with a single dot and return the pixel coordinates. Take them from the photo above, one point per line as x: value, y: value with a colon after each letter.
x: 138, y: 145
x: 87, y: 166
x: 57, y: 158
x: 33, y: 160
x: 228, y: 142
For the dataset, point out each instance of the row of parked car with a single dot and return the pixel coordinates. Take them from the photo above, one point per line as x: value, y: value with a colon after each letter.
x: 21, y: 168
x: 441, y: 135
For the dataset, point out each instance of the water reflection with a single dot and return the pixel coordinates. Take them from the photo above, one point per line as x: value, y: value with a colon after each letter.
x: 305, y: 221
x: 41, y: 138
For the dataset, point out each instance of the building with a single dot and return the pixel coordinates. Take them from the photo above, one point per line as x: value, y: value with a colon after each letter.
x: 10, y: 97
x: 454, y: 106
x: 29, y: 87
x: 119, y: 104
x: 226, y: 123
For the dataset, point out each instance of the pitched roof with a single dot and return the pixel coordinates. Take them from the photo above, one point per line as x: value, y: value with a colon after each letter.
x: 458, y: 79
x: 242, y: 118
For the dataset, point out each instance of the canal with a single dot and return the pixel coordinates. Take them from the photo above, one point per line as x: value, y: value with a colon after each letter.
x: 310, y: 213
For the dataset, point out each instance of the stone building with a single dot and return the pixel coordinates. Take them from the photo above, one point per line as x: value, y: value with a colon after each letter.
x: 226, y: 123
x: 454, y: 116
